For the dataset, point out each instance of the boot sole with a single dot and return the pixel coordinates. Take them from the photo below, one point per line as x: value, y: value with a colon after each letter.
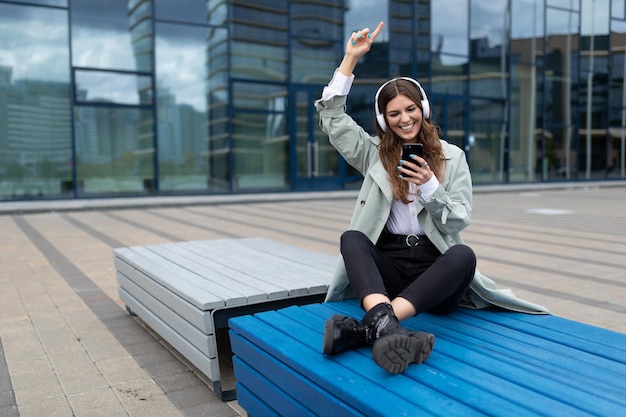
x: 327, y: 347
x: 395, y: 352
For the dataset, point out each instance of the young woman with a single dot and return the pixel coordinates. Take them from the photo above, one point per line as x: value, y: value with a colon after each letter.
x: 403, y: 254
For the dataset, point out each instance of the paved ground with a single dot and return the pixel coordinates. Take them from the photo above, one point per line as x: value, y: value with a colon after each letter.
x: 68, y: 348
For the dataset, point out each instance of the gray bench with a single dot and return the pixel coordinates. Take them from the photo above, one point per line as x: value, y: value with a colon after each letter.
x: 187, y: 291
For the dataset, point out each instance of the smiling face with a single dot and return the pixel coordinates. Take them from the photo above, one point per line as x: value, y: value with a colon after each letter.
x: 404, y: 117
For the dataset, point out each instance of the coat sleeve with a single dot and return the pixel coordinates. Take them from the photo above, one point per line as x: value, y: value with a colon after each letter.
x: 353, y: 143
x: 450, y: 205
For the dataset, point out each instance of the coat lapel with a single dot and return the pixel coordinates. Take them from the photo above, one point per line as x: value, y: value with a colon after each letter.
x: 379, y: 175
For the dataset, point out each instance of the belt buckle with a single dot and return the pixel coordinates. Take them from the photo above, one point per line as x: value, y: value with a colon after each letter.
x: 408, y: 239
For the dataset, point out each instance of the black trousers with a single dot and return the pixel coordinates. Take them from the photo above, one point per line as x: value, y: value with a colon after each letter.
x: 415, y: 271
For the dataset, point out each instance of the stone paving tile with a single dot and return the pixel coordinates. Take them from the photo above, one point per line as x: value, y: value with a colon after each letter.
x: 71, y: 349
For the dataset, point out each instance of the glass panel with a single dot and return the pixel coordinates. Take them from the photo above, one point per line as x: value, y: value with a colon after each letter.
x: 450, y: 30
x: 190, y: 11
x: 564, y: 4
x: 107, y: 87
x: 217, y: 11
x: 523, y: 102
x: 218, y: 102
x: 304, y: 165
x: 62, y: 3
x: 114, y: 151
x: 260, y: 151
x: 35, y: 118
x: 375, y: 64
x: 451, y: 77
x: 618, y: 9
x: 526, y: 89
x: 313, y: 62
x: 594, y: 17
x: 262, y: 97
x: 594, y: 74
x: 316, y: 41
x: 326, y: 157
x: 402, y: 40
x: 366, y: 14
x: 259, y: 47
x: 112, y: 35
x: 315, y: 156
x: 489, y: 54
x: 182, y: 108
x: 454, y: 130
x: 527, y: 19
x: 557, y: 154
x: 260, y: 136
x: 488, y: 134
x: 617, y: 122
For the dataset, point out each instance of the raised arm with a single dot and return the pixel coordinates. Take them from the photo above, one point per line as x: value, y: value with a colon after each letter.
x: 358, y: 45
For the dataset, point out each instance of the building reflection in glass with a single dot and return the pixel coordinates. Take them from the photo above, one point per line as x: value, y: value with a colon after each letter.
x: 145, y: 97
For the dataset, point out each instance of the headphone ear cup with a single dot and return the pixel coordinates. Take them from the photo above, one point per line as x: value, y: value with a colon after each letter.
x: 426, y: 109
x: 381, y: 121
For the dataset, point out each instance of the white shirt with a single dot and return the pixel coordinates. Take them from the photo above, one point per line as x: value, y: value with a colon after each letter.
x: 403, y: 217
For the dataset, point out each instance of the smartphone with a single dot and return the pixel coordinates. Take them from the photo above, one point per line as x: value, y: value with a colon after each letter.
x: 412, y: 148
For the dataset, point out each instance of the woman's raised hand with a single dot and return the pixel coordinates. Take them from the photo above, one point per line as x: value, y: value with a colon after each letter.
x: 358, y: 45
x: 360, y: 42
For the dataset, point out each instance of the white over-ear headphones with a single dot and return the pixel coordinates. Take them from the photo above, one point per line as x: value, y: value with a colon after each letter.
x: 380, y: 118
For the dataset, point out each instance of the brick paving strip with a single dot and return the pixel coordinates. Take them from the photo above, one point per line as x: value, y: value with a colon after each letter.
x: 8, y: 405
x: 184, y: 389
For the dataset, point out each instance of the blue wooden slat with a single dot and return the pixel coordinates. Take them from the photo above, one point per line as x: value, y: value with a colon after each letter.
x: 552, y: 366
x: 600, y: 342
x: 253, y: 404
x: 310, y: 395
x: 277, y: 399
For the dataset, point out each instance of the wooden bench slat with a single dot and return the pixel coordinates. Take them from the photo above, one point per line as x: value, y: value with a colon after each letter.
x: 298, y: 279
x: 562, y: 353
x: 316, y: 400
x: 321, y: 264
x: 185, y: 283
x: 181, y: 306
x: 216, y: 275
x: 282, y: 403
x: 595, y: 340
x: 246, y: 399
x: 206, y: 365
x: 205, y: 343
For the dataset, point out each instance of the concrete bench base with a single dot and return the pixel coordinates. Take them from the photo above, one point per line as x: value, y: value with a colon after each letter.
x: 187, y: 291
x: 484, y: 363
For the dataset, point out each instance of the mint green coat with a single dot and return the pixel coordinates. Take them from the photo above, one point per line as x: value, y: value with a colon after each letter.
x: 443, y: 217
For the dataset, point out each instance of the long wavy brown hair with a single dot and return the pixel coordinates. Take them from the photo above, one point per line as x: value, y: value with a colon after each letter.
x: 390, y: 147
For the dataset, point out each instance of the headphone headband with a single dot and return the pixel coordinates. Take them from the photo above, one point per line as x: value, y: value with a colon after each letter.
x: 380, y: 118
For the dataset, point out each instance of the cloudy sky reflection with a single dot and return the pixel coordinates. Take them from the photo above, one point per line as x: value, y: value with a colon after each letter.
x: 34, y: 40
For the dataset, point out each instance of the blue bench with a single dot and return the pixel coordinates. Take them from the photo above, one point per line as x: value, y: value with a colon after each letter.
x: 484, y: 362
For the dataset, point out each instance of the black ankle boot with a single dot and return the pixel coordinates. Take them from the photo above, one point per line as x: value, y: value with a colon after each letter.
x: 343, y: 333
x: 395, y: 347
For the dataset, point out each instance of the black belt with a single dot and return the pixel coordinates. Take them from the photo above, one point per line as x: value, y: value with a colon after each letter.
x: 408, y: 240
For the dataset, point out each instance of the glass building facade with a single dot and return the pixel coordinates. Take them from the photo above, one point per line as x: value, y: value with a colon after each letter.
x: 163, y: 97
